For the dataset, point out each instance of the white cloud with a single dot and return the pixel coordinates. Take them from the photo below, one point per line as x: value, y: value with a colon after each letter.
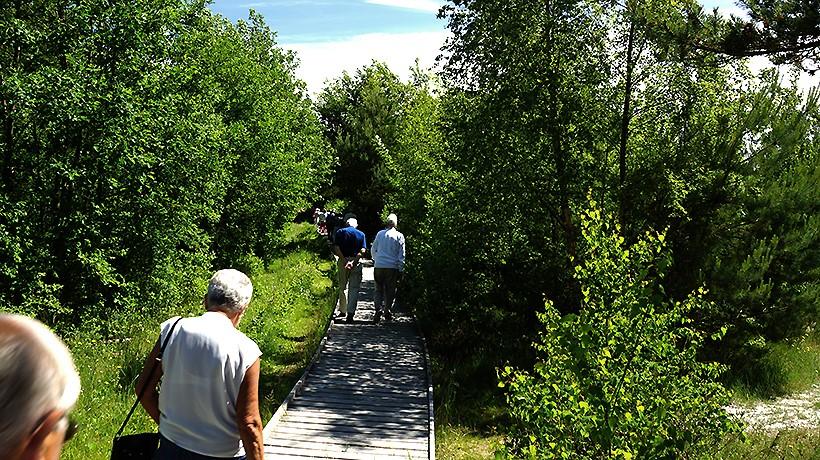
x: 327, y: 60
x: 804, y: 82
x: 421, y: 5
x: 728, y: 11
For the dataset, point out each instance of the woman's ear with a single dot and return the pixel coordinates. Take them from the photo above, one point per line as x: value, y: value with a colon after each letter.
x: 47, y: 440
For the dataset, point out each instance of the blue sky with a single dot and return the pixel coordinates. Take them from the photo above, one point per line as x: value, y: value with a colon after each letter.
x: 312, y: 21
x: 332, y: 36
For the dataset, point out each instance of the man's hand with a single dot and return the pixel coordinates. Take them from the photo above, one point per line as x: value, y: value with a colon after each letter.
x: 349, y: 265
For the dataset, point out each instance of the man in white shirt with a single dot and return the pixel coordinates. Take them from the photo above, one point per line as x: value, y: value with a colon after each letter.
x: 388, y: 260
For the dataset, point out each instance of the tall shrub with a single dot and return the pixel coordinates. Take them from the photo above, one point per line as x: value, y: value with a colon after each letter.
x: 620, y: 378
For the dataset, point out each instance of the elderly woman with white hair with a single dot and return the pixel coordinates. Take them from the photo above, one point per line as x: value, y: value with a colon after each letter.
x: 208, y: 406
x: 39, y: 386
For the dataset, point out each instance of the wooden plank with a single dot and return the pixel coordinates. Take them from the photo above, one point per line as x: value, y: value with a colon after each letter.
x: 380, y: 422
x: 363, y: 431
x: 350, y: 375
x: 362, y: 402
x: 352, y: 454
x: 415, y: 371
x: 388, y: 356
x: 370, y: 396
x: 311, y: 445
x: 364, y: 389
x: 376, y: 341
x: 298, y: 435
x: 359, y: 350
x: 397, y: 360
x: 362, y: 383
x: 353, y: 410
x: 398, y: 382
x: 326, y: 415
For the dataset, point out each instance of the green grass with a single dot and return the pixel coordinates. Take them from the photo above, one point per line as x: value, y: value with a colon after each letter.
x: 777, y: 369
x: 470, y: 411
x: 455, y: 442
x: 292, y: 301
x: 782, y: 445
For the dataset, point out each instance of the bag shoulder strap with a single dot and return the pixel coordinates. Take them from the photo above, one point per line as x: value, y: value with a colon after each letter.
x: 148, y: 380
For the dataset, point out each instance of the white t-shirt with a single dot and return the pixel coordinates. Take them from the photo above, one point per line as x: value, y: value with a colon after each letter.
x: 203, y: 367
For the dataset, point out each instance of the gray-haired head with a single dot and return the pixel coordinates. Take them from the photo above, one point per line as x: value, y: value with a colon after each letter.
x: 37, y: 378
x: 229, y: 290
x: 392, y: 220
x: 353, y: 222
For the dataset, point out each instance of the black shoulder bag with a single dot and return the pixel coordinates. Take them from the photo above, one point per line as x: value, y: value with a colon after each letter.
x: 140, y: 446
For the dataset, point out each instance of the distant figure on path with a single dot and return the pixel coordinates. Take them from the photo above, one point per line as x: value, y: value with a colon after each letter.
x: 349, y: 245
x: 209, y: 404
x: 39, y: 386
x: 388, y: 260
x: 332, y: 223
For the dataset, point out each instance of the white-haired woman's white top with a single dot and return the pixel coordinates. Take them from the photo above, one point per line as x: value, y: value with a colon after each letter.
x: 204, y: 365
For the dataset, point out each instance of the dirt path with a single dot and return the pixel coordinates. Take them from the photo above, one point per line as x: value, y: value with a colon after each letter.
x: 800, y: 410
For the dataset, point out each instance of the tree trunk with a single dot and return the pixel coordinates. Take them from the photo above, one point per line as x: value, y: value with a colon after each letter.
x: 625, y: 118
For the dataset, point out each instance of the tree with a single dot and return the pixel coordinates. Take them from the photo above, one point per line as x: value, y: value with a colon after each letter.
x: 277, y: 155
x: 361, y: 114
x: 521, y: 86
x: 788, y: 31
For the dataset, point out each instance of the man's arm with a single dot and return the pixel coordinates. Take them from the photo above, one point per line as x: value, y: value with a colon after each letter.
x: 374, y: 249
x: 401, y: 254
x: 150, y: 400
x: 358, y: 255
x: 247, y: 414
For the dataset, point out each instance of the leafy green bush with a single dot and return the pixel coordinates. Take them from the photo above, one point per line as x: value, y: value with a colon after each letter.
x: 621, y: 378
x: 143, y: 142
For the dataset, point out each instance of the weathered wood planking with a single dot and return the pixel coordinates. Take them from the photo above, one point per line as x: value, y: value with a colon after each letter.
x: 366, y: 394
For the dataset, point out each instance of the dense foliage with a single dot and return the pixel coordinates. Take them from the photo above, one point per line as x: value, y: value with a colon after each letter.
x: 619, y: 379
x: 142, y: 142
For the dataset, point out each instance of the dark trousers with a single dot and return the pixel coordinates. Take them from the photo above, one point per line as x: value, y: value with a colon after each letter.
x: 170, y: 451
x: 386, y: 281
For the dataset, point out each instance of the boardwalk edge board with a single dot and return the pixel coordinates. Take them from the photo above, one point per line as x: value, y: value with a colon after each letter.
x: 269, y: 427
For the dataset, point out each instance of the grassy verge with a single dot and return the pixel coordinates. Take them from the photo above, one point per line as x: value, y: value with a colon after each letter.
x: 781, y: 445
x: 455, y: 441
x: 777, y: 369
x: 292, y: 300
x: 470, y: 413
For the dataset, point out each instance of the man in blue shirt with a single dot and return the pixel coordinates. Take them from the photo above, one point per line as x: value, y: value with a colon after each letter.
x: 349, y: 245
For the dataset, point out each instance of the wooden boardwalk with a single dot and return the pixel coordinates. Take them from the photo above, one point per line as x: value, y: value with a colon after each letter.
x: 366, y: 394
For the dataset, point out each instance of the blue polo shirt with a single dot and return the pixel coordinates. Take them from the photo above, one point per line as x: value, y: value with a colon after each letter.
x: 350, y: 241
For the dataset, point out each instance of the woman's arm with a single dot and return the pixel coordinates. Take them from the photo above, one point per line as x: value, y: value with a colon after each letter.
x: 247, y: 414
x: 150, y: 400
